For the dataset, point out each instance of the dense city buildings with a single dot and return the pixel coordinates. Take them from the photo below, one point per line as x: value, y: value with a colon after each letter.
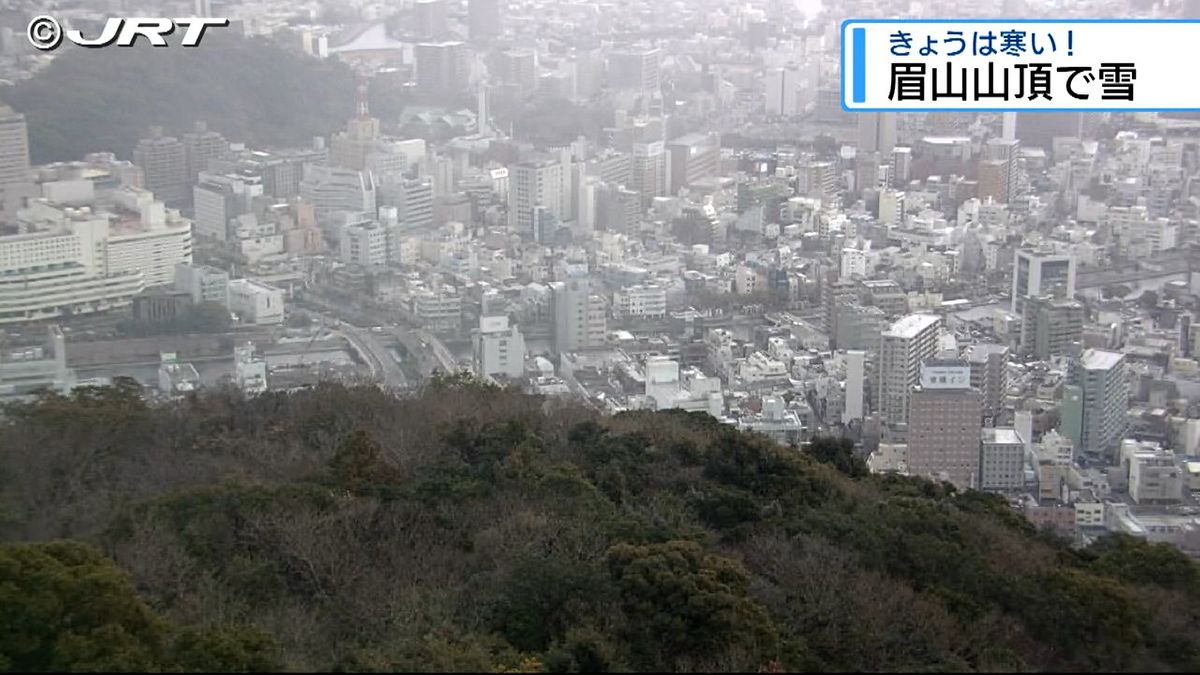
x: 637, y: 208
x: 85, y: 252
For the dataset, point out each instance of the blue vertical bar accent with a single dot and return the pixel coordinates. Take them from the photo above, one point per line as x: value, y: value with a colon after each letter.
x: 860, y: 64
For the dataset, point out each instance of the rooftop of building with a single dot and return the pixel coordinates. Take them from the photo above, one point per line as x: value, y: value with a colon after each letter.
x: 1001, y: 436
x: 978, y: 353
x: 1042, y: 253
x: 206, y: 269
x: 1099, y: 359
x: 911, y: 325
x: 945, y: 140
x: 697, y: 138
x: 945, y: 363
x: 1052, y: 301
x: 880, y: 284
x: 253, y: 284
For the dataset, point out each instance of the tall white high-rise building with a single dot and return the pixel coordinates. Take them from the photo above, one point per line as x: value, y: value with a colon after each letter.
x: 483, y: 115
x: 662, y: 382
x: 782, y: 91
x: 649, y: 175
x: 904, y: 346
x: 891, y: 207
x: 413, y: 199
x: 203, y: 283
x: 584, y: 188
x: 364, y: 243
x: 1100, y: 376
x: 1008, y: 127
x: 530, y: 185
x: 1040, y: 273
x: 218, y: 199
x: 877, y: 132
x: 579, y: 316
x: 1002, y: 460
x: 499, y: 348
x: 334, y: 191
x: 855, y: 376
x: 147, y: 238
x: 249, y: 370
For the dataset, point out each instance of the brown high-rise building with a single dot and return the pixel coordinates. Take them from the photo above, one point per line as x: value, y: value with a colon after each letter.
x: 692, y: 158
x: 16, y: 180
x: 200, y: 147
x: 876, y: 132
x: 989, y: 375
x: 993, y: 180
x: 516, y: 68
x: 944, y: 425
x: 442, y: 67
x: 999, y: 172
x: 1050, y: 327
x: 637, y: 69
x: 163, y: 161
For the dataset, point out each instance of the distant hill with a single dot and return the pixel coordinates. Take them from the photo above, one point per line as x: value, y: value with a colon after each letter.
x: 472, y: 529
x: 91, y: 100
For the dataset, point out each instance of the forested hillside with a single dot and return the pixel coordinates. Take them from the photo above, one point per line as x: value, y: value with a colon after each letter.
x: 470, y: 528
x: 91, y: 100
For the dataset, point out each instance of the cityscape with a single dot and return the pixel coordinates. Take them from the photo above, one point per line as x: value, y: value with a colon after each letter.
x: 623, y: 207
x: 1028, y: 275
